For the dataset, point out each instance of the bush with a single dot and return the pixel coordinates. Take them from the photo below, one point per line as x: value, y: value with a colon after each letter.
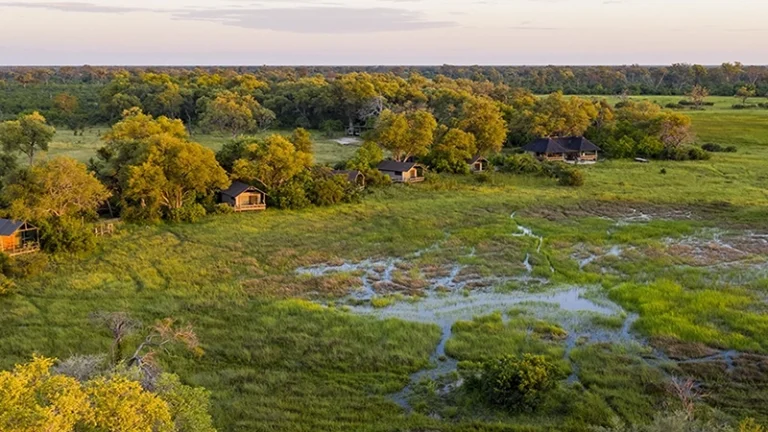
x: 331, y: 127
x: 6, y: 286
x: 483, y: 177
x: 520, y: 164
x: 291, y: 196
x: 187, y: 213
x: 517, y: 384
x: 717, y: 148
x: 221, y: 209
x: 28, y: 265
x: 67, y: 234
x: 329, y: 191
x: 697, y: 153
x: 571, y: 177
x: 743, y: 106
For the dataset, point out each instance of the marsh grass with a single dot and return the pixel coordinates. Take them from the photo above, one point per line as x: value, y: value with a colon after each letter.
x: 276, y: 361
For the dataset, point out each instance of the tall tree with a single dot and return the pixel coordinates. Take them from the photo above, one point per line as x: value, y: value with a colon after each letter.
x: 236, y: 113
x: 452, y: 150
x: 58, y: 188
x: 27, y: 135
x: 272, y: 162
x: 405, y: 135
x: 482, y: 118
x: 175, y: 172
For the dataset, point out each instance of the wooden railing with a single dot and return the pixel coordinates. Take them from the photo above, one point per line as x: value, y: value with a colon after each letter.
x: 250, y: 207
x: 26, y: 248
x: 415, y: 180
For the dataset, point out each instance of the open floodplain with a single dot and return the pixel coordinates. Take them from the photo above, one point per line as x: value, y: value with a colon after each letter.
x: 362, y: 317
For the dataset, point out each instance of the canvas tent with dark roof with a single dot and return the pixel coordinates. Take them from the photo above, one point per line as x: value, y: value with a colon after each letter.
x: 352, y: 176
x: 568, y: 149
x: 18, y: 237
x: 402, y: 172
x: 478, y: 164
x: 244, y: 197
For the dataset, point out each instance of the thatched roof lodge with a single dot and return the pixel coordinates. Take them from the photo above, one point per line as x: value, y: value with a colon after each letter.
x: 402, y: 172
x: 577, y: 150
x: 353, y: 176
x: 18, y: 237
x: 244, y: 197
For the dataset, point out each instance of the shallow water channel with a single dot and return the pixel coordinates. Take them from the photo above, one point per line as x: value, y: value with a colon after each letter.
x: 450, y: 296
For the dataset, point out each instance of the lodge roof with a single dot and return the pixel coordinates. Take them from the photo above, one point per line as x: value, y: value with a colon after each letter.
x: 394, y: 166
x: 477, y: 159
x: 238, y: 188
x: 352, y: 175
x: 8, y: 227
x: 561, y: 145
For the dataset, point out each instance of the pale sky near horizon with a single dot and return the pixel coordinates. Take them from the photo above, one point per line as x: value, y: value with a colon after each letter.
x: 382, y: 32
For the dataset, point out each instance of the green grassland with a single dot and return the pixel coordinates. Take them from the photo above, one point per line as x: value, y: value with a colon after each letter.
x: 84, y: 147
x: 283, y: 352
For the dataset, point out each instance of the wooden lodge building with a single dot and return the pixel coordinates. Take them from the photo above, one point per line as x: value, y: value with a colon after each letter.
x: 243, y: 197
x: 18, y: 237
x: 576, y: 150
x: 478, y: 164
x: 402, y: 172
x: 353, y: 176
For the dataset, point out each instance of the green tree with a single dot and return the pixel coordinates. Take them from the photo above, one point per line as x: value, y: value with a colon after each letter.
x: 405, y: 135
x: 175, y: 172
x: 272, y: 161
x: 230, y: 113
x: 744, y: 93
x: 452, y: 151
x: 58, y: 188
x: 482, y: 118
x: 302, y: 140
x: 27, y: 135
x: 367, y: 157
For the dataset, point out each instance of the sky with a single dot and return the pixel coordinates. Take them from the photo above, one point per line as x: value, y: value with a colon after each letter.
x: 382, y: 32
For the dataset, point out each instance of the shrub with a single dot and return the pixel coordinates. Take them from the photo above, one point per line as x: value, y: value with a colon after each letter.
x: 710, y: 147
x: 571, y: 177
x: 329, y: 191
x: 520, y: 164
x: 483, y: 177
x: 697, y: 153
x: 67, y: 234
x: 28, y: 265
x: 6, y: 285
x: 222, y: 208
x: 743, y: 106
x: 187, y: 213
x: 292, y: 196
x: 331, y: 127
x: 517, y: 384
x: 717, y: 148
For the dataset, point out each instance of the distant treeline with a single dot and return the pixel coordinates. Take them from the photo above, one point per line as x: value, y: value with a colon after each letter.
x: 676, y: 79
x: 324, y: 96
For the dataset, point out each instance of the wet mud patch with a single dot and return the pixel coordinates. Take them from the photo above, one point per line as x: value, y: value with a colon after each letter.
x: 718, y: 248
x: 738, y: 386
x: 621, y: 212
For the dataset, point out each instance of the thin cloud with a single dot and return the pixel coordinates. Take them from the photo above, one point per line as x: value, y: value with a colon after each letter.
x: 328, y: 20
x: 74, y: 7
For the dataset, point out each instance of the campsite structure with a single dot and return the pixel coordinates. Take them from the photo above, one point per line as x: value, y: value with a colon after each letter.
x: 244, y: 197
x: 478, y: 164
x: 576, y: 150
x: 18, y: 237
x: 402, y: 172
x: 353, y: 176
